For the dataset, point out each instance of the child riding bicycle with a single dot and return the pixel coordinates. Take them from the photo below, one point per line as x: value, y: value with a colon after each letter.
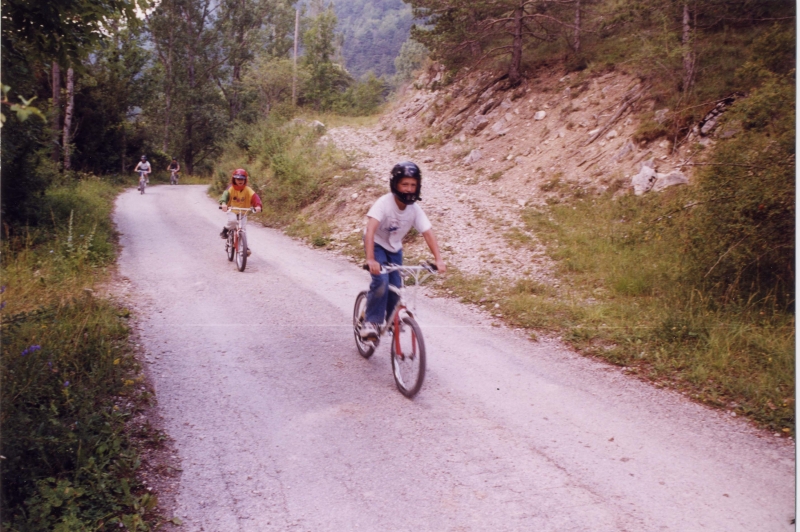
x: 144, y: 166
x: 388, y: 221
x: 238, y: 194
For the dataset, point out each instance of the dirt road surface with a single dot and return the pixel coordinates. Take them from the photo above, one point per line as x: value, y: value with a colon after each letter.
x: 281, y: 425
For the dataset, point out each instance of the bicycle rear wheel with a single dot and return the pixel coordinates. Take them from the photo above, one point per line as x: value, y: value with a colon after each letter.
x: 408, y: 357
x: 241, y: 252
x: 365, y: 349
x: 229, y: 248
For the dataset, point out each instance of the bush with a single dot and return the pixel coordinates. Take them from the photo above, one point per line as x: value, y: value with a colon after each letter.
x: 740, y: 238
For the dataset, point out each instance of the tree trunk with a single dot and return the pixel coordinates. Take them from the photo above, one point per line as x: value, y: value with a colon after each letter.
x: 56, y: 112
x: 514, y: 75
x: 576, y: 43
x: 688, y: 53
x: 188, y: 152
x: 67, y: 140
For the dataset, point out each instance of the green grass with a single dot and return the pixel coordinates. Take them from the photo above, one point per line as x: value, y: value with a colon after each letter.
x: 70, y: 382
x: 623, y: 299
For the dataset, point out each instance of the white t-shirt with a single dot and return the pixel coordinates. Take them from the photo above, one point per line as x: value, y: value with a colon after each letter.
x: 144, y: 166
x: 395, y: 223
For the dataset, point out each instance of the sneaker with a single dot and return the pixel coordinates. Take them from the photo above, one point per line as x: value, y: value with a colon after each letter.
x: 248, y: 252
x: 369, y: 331
x: 224, y: 233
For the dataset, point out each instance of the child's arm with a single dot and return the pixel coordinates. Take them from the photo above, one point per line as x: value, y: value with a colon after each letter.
x: 255, y: 202
x: 369, y: 246
x: 224, y: 199
x: 430, y: 239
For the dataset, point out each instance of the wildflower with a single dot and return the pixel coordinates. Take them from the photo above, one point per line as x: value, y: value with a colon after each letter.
x: 66, y: 384
x: 31, y: 349
x: 2, y: 289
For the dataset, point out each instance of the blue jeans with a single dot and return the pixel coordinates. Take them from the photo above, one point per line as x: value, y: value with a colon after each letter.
x: 380, y: 300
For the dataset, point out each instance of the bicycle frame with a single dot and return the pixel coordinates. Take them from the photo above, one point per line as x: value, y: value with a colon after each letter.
x: 241, y: 222
x: 419, y: 273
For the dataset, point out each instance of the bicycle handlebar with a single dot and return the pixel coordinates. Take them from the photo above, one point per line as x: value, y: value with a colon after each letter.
x: 387, y: 268
x: 240, y: 209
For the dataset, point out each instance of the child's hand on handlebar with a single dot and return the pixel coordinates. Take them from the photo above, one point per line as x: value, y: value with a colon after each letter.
x: 440, y: 266
x: 374, y: 267
x: 257, y: 209
x: 224, y: 208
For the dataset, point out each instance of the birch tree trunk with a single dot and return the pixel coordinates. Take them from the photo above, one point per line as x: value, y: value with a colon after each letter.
x: 576, y: 44
x: 67, y: 139
x: 56, y: 112
x: 688, y: 52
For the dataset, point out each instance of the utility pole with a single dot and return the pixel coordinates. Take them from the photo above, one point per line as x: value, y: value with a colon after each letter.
x: 294, y: 77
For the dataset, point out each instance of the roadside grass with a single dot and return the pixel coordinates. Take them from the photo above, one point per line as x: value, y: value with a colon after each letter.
x: 620, y: 298
x: 70, y: 381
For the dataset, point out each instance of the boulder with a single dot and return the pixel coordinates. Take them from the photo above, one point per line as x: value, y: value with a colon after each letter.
x: 644, y: 180
x: 476, y: 124
x: 473, y: 157
x: 667, y: 180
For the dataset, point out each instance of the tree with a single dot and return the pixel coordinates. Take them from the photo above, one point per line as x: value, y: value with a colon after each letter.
x: 457, y: 29
x: 326, y: 79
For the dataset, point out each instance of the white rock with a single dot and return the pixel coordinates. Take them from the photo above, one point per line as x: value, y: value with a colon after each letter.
x: 539, y: 115
x: 612, y: 134
x: 474, y: 156
x: 644, y: 180
x: 592, y: 132
x: 355, y: 195
x: 668, y: 180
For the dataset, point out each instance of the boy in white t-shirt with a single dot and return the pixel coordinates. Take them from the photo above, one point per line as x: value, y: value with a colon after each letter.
x: 388, y: 221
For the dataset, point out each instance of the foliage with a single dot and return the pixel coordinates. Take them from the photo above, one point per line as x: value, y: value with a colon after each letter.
x: 289, y: 169
x: 373, y: 33
x: 410, y: 59
x: 64, y: 31
x: 68, y: 463
x: 326, y: 79
x: 741, y: 235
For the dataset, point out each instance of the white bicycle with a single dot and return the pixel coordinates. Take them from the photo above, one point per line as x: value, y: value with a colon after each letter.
x: 236, y: 244
x: 408, y: 346
x: 142, y: 180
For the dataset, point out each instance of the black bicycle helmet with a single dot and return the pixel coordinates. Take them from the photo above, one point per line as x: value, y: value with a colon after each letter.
x: 401, y: 170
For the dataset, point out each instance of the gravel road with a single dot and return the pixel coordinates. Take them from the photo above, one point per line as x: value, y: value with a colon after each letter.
x: 281, y: 425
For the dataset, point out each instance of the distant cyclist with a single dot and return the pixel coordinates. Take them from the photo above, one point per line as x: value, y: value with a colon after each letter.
x: 144, y: 166
x: 389, y: 219
x: 238, y: 194
x: 174, y: 166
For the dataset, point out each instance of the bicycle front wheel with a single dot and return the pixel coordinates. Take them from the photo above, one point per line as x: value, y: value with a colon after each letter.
x: 408, y: 357
x: 241, y: 252
x: 229, y: 247
x: 365, y: 349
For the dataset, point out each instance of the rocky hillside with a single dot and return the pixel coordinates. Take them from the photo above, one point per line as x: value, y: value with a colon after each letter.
x: 487, y: 152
